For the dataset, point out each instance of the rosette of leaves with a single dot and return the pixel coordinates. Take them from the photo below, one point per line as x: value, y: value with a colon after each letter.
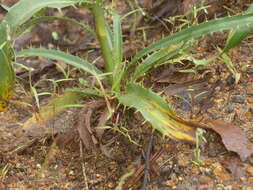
x: 124, y: 85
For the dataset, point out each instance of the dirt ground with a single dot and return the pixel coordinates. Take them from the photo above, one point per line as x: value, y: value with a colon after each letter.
x: 55, y: 159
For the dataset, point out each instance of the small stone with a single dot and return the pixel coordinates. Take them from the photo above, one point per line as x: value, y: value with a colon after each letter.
x: 238, y: 99
x: 54, y: 188
x: 214, y: 115
x: 195, y: 170
x: 173, y: 181
x: 251, y: 110
x: 230, y: 108
x: 250, y: 100
x: 204, y: 179
x: 183, y: 160
x: 249, y: 70
x: 220, y: 172
x: 230, y: 80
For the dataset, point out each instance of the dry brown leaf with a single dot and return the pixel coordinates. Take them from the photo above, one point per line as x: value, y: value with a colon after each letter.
x: 233, y: 138
x: 234, y: 165
x: 84, y: 123
x: 102, y: 122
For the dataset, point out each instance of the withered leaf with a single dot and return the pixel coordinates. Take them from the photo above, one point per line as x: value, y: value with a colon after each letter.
x: 233, y: 138
x: 235, y: 166
x: 84, y: 123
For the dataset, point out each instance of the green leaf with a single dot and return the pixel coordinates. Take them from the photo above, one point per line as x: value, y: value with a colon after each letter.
x: 230, y: 65
x: 104, y: 37
x: 3, y: 33
x: 85, y: 91
x: 117, y: 40
x: 236, y: 36
x: 238, y: 21
x: 23, y: 10
x: 117, y: 52
x: 153, y: 59
x: 155, y: 110
x: 62, y: 56
x: 37, y: 20
x: 7, y: 76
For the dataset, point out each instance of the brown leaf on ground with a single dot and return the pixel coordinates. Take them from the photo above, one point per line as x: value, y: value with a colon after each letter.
x: 102, y: 122
x: 84, y: 123
x: 176, y: 77
x: 235, y: 167
x: 233, y: 138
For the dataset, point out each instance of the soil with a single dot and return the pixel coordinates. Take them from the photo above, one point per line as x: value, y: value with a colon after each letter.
x: 53, y: 157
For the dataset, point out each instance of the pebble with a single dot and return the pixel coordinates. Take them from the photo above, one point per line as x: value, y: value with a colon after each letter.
x: 249, y: 70
x: 204, y: 179
x: 220, y: 172
x: 214, y: 115
x: 250, y: 100
x: 54, y: 188
x: 230, y: 80
x: 251, y: 110
x: 183, y: 160
x: 238, y: 99
x: 230, y: 108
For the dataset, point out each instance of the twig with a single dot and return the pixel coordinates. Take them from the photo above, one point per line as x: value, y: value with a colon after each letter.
x: 140, y: 171
x: 83, y: 167
x: 147, y: 163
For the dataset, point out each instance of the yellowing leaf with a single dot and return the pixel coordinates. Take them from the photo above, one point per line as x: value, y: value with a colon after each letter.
x: 52, y: 109
x: 7, y: 76
x: 155, y: 110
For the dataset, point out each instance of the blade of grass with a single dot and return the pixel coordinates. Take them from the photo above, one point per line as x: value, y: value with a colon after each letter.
x: 238, y: 21
x: 62, y: 56
x: 153, y: 59
x: 7, y: 76
x: 85, y: 91
x: 236, y: 36
x: 117, y: 41
x: 38, y: 20
x: 104, y: 37
x: 117, y: 52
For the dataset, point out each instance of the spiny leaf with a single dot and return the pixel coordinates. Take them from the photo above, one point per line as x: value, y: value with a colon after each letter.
x: 196, y: 31
x: 117, y: 52
x: 117, y: 40
x: 155, y: 110
x: 61, y: 56
x: 153, y: 59
x: 104, y: 36
x: 236, y: 36
x: 7, y: 77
